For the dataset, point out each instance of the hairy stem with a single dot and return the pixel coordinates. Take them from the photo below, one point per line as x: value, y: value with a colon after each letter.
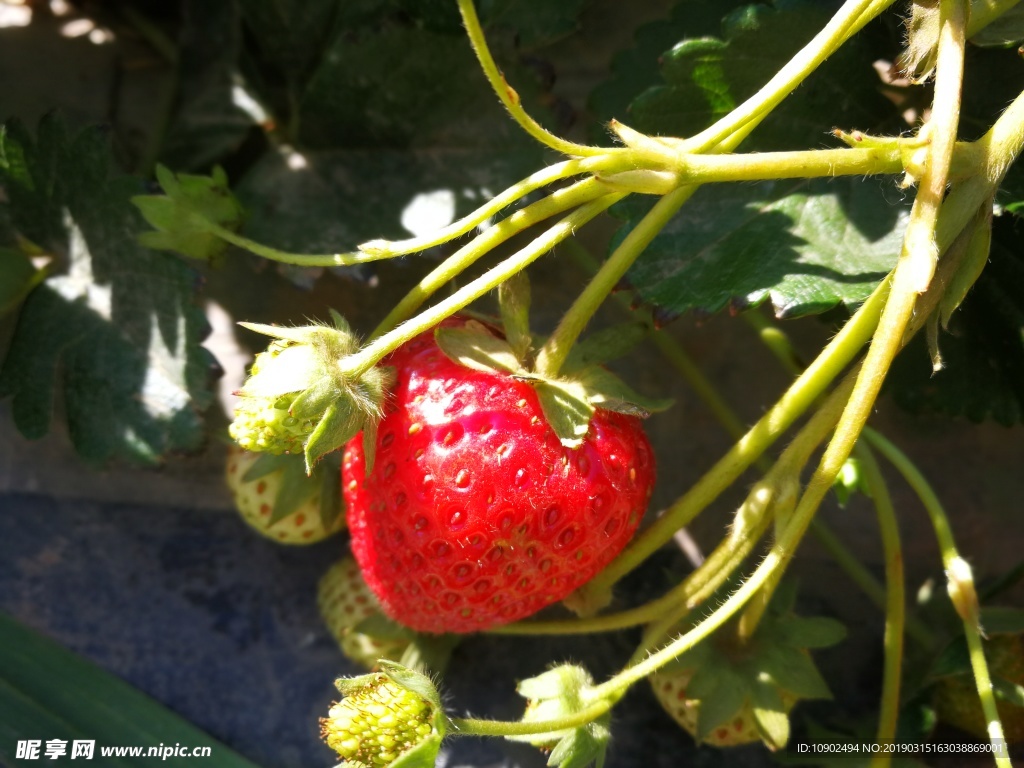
x: 509, y: 97
x: 357, y: 364
x: 557, y: 202
x: 552, y: 355
x: 469, y: 726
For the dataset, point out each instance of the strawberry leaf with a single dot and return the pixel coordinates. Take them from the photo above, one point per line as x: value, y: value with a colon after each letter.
x: 604, y: 346
x: 804, y: 245
x: 296, y: 489
x: 721, y: 696
x: 791, y: 670
x: 115, y: 331
x: 807, y: 631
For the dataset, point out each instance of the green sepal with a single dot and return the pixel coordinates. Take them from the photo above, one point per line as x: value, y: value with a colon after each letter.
x: 429, y: 653
x: 605, y: 345
x: 421, y: 685
x: 314, y: 400
x: 423, y: 755
x: 770, y: 716
x: 608, y: 391
x: 369, y: 446
x: 183, y: 215
x: 976, y: 240
x: 722, y: 694
x: 849, y: 481
x: 514, y: 305
x: 268, y: 464
x: 296, y: 489
x: 582, y: 746
x: 380, y: 626
x: 793, y: 671
x: 552, y: 695
x: 340, y: 423
x: 474, y: 346
x: 807, y: 631
x: 328, y: 475
x: 566, y: 408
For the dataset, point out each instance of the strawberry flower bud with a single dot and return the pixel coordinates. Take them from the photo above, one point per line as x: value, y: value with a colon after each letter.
x: 386, y: 717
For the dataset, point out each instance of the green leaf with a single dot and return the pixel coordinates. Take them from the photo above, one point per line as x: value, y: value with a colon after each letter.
x: 1006, y: 30
x: 47, y: 692
x: 983, y: 355
x: 706, y: 77
x: 296, y: 489
x: 117, y: 335
x: 474, y: 346
x: 535, y: 22
x: 1002, y: 620
x: 215, y: 108
x: 805, y: 245
x: 328, y: 474
x: 18, y: 276
x: 635, y: 70
x: 567, y: 408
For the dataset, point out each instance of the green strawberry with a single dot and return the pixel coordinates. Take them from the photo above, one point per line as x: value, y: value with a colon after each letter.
x: 345, y: 602
x: 725, y: 692
x: 276, y: 498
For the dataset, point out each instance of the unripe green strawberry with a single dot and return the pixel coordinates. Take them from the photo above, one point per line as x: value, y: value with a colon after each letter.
x: 280, y: 502
x: 670, y: 690
x: 345, y: 601
x: 265, y: 425
x: 386, y: 716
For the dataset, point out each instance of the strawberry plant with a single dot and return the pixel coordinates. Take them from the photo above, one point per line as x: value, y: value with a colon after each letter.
x: 840, y: 176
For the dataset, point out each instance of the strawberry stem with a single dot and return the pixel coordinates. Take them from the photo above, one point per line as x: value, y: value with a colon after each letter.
x: 357, y: 364
x: 895, y: 613
x: 471, y: 726
x: 557, y: 202
x: 552, y: 355
x: 957, y: 571
x: 509, y: 97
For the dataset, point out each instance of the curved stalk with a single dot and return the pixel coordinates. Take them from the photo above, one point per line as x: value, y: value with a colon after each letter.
x: 961, y: 583
x: 509, y: 97
x: 557, y: 202
x: 470, y: 726
x: 895, y: 611
x: 358, y: 363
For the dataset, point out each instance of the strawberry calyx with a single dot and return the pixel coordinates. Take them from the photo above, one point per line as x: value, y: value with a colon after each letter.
x: 388, y: 718
x: 568, y: 400
x: 726, y: 693
x: 559, y: 693
x: 297, y: 400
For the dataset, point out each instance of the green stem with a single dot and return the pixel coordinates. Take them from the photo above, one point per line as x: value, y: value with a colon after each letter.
x: 961, y: 583
x: 895, y: 612
x: 693, y: 168
x: 851, y: 17
x: 284, y: 257
x: 797, y: 399
x: 533, y: 182
x: 469, y: 726
x: 557, y: 202
x: 552, y: 355
x: 509, y: 97
x: 357, y: 364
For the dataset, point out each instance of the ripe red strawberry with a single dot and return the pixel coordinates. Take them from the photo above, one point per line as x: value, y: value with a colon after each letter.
x: 475, y: 514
